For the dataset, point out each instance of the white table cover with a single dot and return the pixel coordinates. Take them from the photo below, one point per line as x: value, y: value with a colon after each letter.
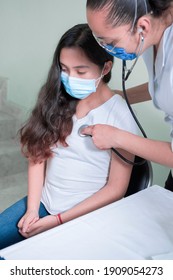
x: 137, y: 227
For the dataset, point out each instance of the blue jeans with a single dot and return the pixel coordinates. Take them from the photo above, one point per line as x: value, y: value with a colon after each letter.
x: 9, y: 219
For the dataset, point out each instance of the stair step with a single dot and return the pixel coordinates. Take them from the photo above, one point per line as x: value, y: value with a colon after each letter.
x: 11, y: 159
x: 7, y: 126
x: 12, y: 188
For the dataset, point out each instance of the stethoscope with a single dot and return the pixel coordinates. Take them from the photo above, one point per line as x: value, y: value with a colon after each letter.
x: 125, y: 74
x: 124, y: 79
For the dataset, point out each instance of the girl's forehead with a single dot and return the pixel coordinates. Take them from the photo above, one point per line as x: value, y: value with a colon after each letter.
x: 72, y: 53
x: 74, y: 57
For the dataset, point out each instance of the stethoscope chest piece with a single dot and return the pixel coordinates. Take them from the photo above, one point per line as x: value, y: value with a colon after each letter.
x: 80, y: 130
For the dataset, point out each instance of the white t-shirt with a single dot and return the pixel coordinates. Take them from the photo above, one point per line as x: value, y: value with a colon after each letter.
x: 76, y: 172
x: 161, y: 76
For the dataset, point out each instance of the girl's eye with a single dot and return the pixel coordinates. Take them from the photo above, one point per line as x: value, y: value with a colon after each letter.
x: 81, y: 73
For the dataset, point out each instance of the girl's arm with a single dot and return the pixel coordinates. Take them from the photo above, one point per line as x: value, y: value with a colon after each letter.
x: 35, y: 184
x: 114, y: 190
x: 36, y: 175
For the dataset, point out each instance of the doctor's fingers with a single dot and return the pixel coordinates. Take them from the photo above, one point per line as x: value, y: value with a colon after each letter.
x: 100, y: 135
x: 88, y: 130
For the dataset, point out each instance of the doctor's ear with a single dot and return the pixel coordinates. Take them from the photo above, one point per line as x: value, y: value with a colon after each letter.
x: 144, y: 25
x: 107, y: 67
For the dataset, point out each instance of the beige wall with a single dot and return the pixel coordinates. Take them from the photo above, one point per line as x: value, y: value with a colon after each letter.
x: 29, y: 32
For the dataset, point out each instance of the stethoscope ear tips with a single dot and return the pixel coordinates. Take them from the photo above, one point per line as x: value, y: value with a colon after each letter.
x: 140, y: 30
x: 80, y: 130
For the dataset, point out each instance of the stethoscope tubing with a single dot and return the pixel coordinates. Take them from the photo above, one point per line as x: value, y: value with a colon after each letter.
x: 124, y: 78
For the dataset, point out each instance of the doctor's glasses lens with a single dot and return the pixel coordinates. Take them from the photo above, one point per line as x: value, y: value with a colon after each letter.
x: 108, y: 47
x: 99, y: 41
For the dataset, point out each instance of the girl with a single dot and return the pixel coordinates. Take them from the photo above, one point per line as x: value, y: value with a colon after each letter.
x: 126, y: 29
x: 67, y: 175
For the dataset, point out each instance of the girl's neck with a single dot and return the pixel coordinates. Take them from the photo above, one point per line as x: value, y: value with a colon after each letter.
x: 94, y: 100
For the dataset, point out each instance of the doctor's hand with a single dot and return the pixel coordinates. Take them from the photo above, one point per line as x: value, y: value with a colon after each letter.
x: 41, y: 225
x: 103, y: 136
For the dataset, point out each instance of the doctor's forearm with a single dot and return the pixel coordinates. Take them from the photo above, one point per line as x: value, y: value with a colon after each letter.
x: 153, y: 150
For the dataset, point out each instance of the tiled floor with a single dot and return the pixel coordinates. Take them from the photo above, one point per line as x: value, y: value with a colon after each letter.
x: 12, y: 188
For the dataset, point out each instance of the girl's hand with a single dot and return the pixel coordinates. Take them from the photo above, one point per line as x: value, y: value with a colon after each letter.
x: 27, y: 220
x: 41, y: 225
x: 103, y: 136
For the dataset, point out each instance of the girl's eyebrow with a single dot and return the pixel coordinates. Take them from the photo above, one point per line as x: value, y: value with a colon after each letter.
x: 76, y: 67
x: 81, y: 66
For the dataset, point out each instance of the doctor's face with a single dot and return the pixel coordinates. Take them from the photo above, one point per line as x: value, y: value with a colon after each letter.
x: 120, y: 36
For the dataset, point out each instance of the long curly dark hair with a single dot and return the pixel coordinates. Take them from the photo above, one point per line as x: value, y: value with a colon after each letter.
x: 51, y: 118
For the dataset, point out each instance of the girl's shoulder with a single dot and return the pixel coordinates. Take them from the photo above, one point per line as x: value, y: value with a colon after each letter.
x: 117, y: 99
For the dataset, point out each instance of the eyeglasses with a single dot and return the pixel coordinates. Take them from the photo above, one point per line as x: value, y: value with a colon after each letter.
x: 105, y: 46
x: 111, y: 48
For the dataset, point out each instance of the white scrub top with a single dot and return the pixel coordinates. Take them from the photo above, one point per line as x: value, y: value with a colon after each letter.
x: 161, y: 76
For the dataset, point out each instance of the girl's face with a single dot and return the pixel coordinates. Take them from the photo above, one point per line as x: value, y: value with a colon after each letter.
x: 120, y: 36
x: 74, y: 62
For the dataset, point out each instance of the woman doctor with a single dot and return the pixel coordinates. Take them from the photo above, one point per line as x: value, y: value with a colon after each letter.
x: 127, y: 29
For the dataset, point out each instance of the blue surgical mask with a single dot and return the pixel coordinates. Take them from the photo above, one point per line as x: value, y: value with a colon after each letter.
x: 77, y: 87
x: 119, y: 52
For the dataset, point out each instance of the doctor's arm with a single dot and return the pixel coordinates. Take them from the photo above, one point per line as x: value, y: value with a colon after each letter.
x: 105, y: 136
x: 136, y: 94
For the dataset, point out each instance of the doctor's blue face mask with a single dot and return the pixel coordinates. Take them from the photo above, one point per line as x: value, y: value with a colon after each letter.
x: 119, y: 53
x: 116, y: 51
x: 79, y: 88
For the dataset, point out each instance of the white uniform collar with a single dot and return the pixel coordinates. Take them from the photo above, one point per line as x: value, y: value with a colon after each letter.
x: 160, y: 58
x: 154, y: 69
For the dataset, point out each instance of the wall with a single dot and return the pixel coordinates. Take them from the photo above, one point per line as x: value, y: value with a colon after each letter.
x: 29, y: 32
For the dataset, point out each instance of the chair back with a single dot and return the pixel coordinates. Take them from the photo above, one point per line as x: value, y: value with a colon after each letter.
x: 141, y: 177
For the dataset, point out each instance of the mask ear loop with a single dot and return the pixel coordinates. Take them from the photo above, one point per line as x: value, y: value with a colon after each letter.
x: 101, y: 76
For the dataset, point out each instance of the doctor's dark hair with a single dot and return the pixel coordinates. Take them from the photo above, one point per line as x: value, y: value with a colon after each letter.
x: 51, y: 118
x: 124, y: 12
